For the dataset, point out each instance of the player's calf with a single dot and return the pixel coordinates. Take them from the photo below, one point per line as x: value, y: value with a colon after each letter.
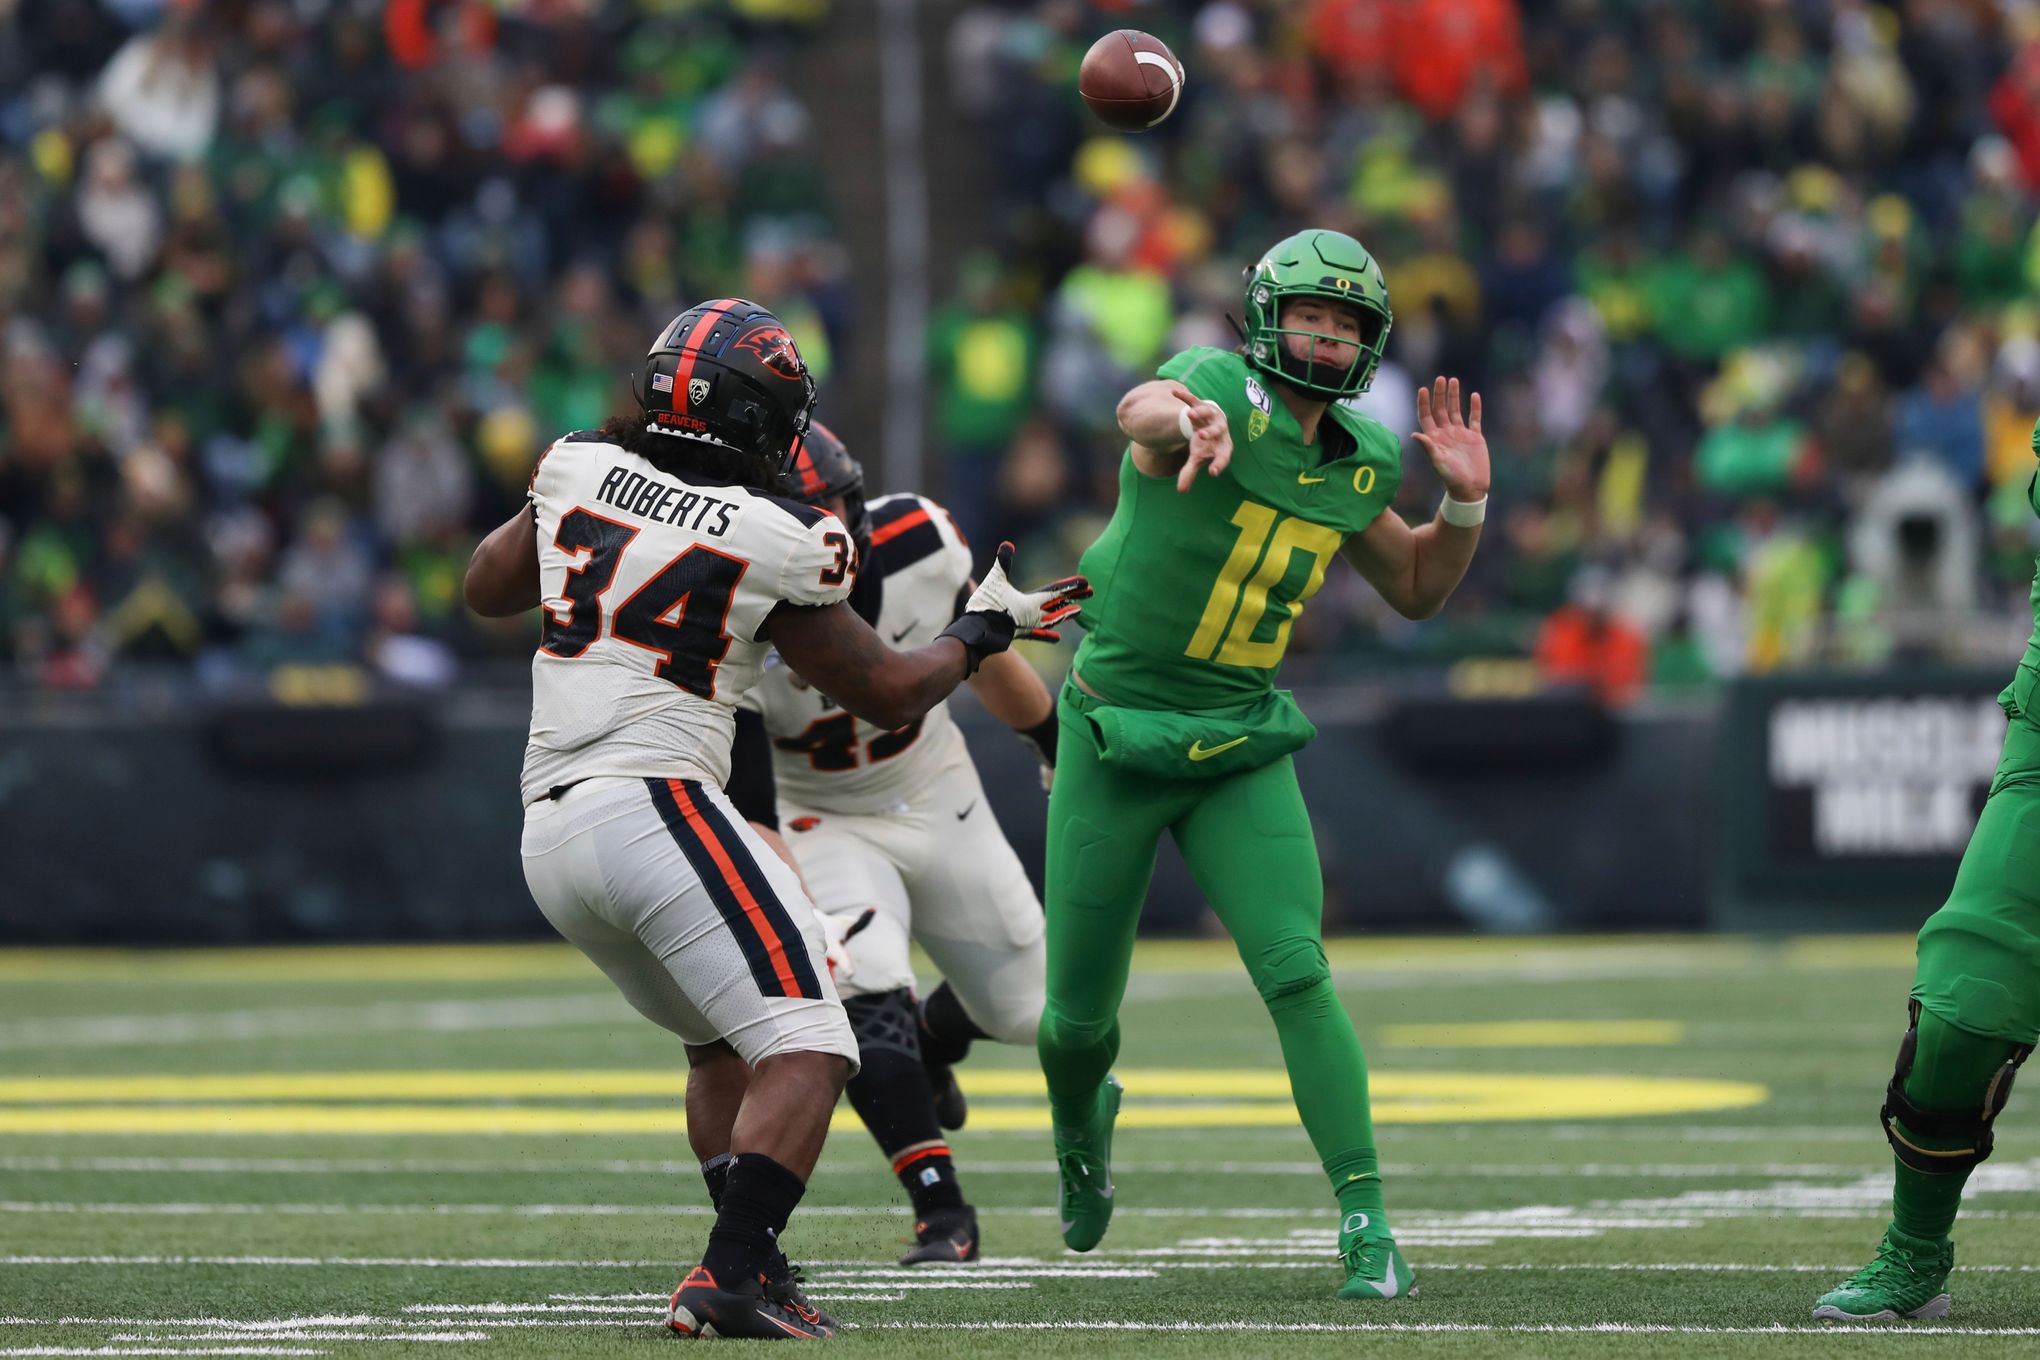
x: 890, y: 1094
x: 946, y: 1034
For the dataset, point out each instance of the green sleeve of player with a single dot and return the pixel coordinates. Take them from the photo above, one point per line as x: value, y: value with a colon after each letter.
x: 1214, y: 375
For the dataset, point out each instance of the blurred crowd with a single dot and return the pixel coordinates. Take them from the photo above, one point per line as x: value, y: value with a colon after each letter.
x: 1746, y: 284
x: 293, y: 291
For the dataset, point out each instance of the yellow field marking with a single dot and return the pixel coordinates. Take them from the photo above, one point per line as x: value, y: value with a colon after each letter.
x: 1536, y: 1034
x: 551, y: 960
x: 1431, y: 955
x: 1204, y: 1099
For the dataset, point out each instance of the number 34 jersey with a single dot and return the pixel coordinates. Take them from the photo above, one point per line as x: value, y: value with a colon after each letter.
x: 909, y: 590
x: 653, y: 590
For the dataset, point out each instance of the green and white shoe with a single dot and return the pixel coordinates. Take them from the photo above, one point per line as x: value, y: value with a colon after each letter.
x: 1907, y: 1280
x: 1375, y: 1268
x: 1083, y: 1162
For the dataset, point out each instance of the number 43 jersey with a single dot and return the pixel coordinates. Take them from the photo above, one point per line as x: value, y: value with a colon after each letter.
x: 653, y: 589
x: 910, y: 588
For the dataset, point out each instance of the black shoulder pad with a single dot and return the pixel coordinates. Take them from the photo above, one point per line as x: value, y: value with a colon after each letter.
x: 808, y: 515
x: 904, y: 530
x: 583, y: 437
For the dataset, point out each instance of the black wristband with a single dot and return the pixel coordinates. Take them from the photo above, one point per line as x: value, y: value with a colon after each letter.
x: 1042, y: 734
x: 983, y: 633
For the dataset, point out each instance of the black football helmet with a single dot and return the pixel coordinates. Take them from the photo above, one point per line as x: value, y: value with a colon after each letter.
x: 726, y: 373
x: 822, y: 470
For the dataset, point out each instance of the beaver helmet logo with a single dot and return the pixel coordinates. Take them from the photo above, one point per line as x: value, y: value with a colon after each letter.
x: 697, y: 391
x: 775, y: 347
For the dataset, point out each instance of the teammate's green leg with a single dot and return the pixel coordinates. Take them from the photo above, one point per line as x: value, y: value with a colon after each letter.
x: 1977, y: 990
x: 1102, y: 830
x: 1952, y: 1069
x: 1249, y: 843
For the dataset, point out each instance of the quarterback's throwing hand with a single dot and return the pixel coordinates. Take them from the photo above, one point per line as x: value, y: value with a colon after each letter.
x: 1210, y: 437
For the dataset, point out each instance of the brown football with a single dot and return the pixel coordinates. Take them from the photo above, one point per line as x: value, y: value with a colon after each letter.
x: 1131, y: 80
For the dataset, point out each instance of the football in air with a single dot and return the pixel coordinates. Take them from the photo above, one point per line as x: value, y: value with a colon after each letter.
x: 1131, y: 80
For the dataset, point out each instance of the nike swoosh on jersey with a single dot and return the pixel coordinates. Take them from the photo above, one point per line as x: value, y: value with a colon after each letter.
x: 1305, y: 479
x: 904, y: 631
x: 967, y: 811
x: 1199, y: 751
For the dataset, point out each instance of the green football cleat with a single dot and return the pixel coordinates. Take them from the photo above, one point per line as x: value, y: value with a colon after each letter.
x: 1905, y: 1281
x: 1083, y: 1162
x: 1375, y: 1269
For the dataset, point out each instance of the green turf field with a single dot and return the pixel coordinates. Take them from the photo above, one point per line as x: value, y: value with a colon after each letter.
x: 1592, y: 1147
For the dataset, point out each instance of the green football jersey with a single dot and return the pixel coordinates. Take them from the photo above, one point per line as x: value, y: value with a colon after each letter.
x: 1196, y: 591
x: 2031, y: 660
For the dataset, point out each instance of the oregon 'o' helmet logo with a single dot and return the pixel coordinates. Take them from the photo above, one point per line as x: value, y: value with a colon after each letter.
x: 774, y: 347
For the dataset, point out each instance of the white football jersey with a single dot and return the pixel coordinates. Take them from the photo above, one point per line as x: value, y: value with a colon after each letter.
x: 654, y: 589
x: 826, y: 759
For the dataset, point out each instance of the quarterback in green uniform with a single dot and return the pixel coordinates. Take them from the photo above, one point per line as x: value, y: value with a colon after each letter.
x: 1243, y: 478
x: 1975, y: 1015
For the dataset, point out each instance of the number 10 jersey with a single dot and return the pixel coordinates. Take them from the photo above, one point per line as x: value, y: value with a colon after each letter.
x: 1197, y: 591
x: 653, y: 590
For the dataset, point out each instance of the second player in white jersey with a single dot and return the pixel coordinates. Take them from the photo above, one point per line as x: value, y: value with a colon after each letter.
x: 898, y: 845
x: 823, y: 756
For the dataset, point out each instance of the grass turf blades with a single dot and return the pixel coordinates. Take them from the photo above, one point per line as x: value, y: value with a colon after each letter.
x: 1707, y: 1231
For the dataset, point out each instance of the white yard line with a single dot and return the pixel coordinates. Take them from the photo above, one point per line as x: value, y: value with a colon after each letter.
x: 1526, y: 1329
x: 202, y: 1209
x: 303, y: 1335
x: 1141, y: 1263
x: 370, y: 1166
x: 547, y: 1011
x: 158, y: 1350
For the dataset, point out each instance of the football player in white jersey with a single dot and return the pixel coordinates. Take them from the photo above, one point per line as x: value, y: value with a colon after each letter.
x: 667, y: 570
x: 894, y: 836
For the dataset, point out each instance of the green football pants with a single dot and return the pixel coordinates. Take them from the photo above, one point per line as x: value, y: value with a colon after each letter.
x: 1979, y: 955
x: 1977, y: 981
x: 1247, y: 840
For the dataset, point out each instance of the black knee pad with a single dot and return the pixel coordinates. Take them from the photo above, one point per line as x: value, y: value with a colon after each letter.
x: 886, y: 1022
x: 1971, y: 1126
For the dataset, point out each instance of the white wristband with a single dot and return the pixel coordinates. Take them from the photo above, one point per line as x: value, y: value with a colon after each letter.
x: 1183, y: 424
x: 1463, y: 514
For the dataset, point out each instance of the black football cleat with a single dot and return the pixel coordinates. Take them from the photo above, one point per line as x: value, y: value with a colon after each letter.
x: 703, y: 1308
x: 951, y: 1109
x: 782, y: 1280
x: 948, y: 1235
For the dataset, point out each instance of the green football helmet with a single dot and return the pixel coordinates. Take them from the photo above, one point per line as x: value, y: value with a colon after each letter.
x: 1319, y: 264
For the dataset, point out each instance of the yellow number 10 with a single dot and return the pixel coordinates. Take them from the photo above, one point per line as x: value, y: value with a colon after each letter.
x: 1242, y: 601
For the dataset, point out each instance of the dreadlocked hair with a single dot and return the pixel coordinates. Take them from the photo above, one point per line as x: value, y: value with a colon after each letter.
x: 690, y: 459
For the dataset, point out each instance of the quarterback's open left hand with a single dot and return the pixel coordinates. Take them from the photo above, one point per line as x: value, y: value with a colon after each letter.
x: 1458, y: 450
